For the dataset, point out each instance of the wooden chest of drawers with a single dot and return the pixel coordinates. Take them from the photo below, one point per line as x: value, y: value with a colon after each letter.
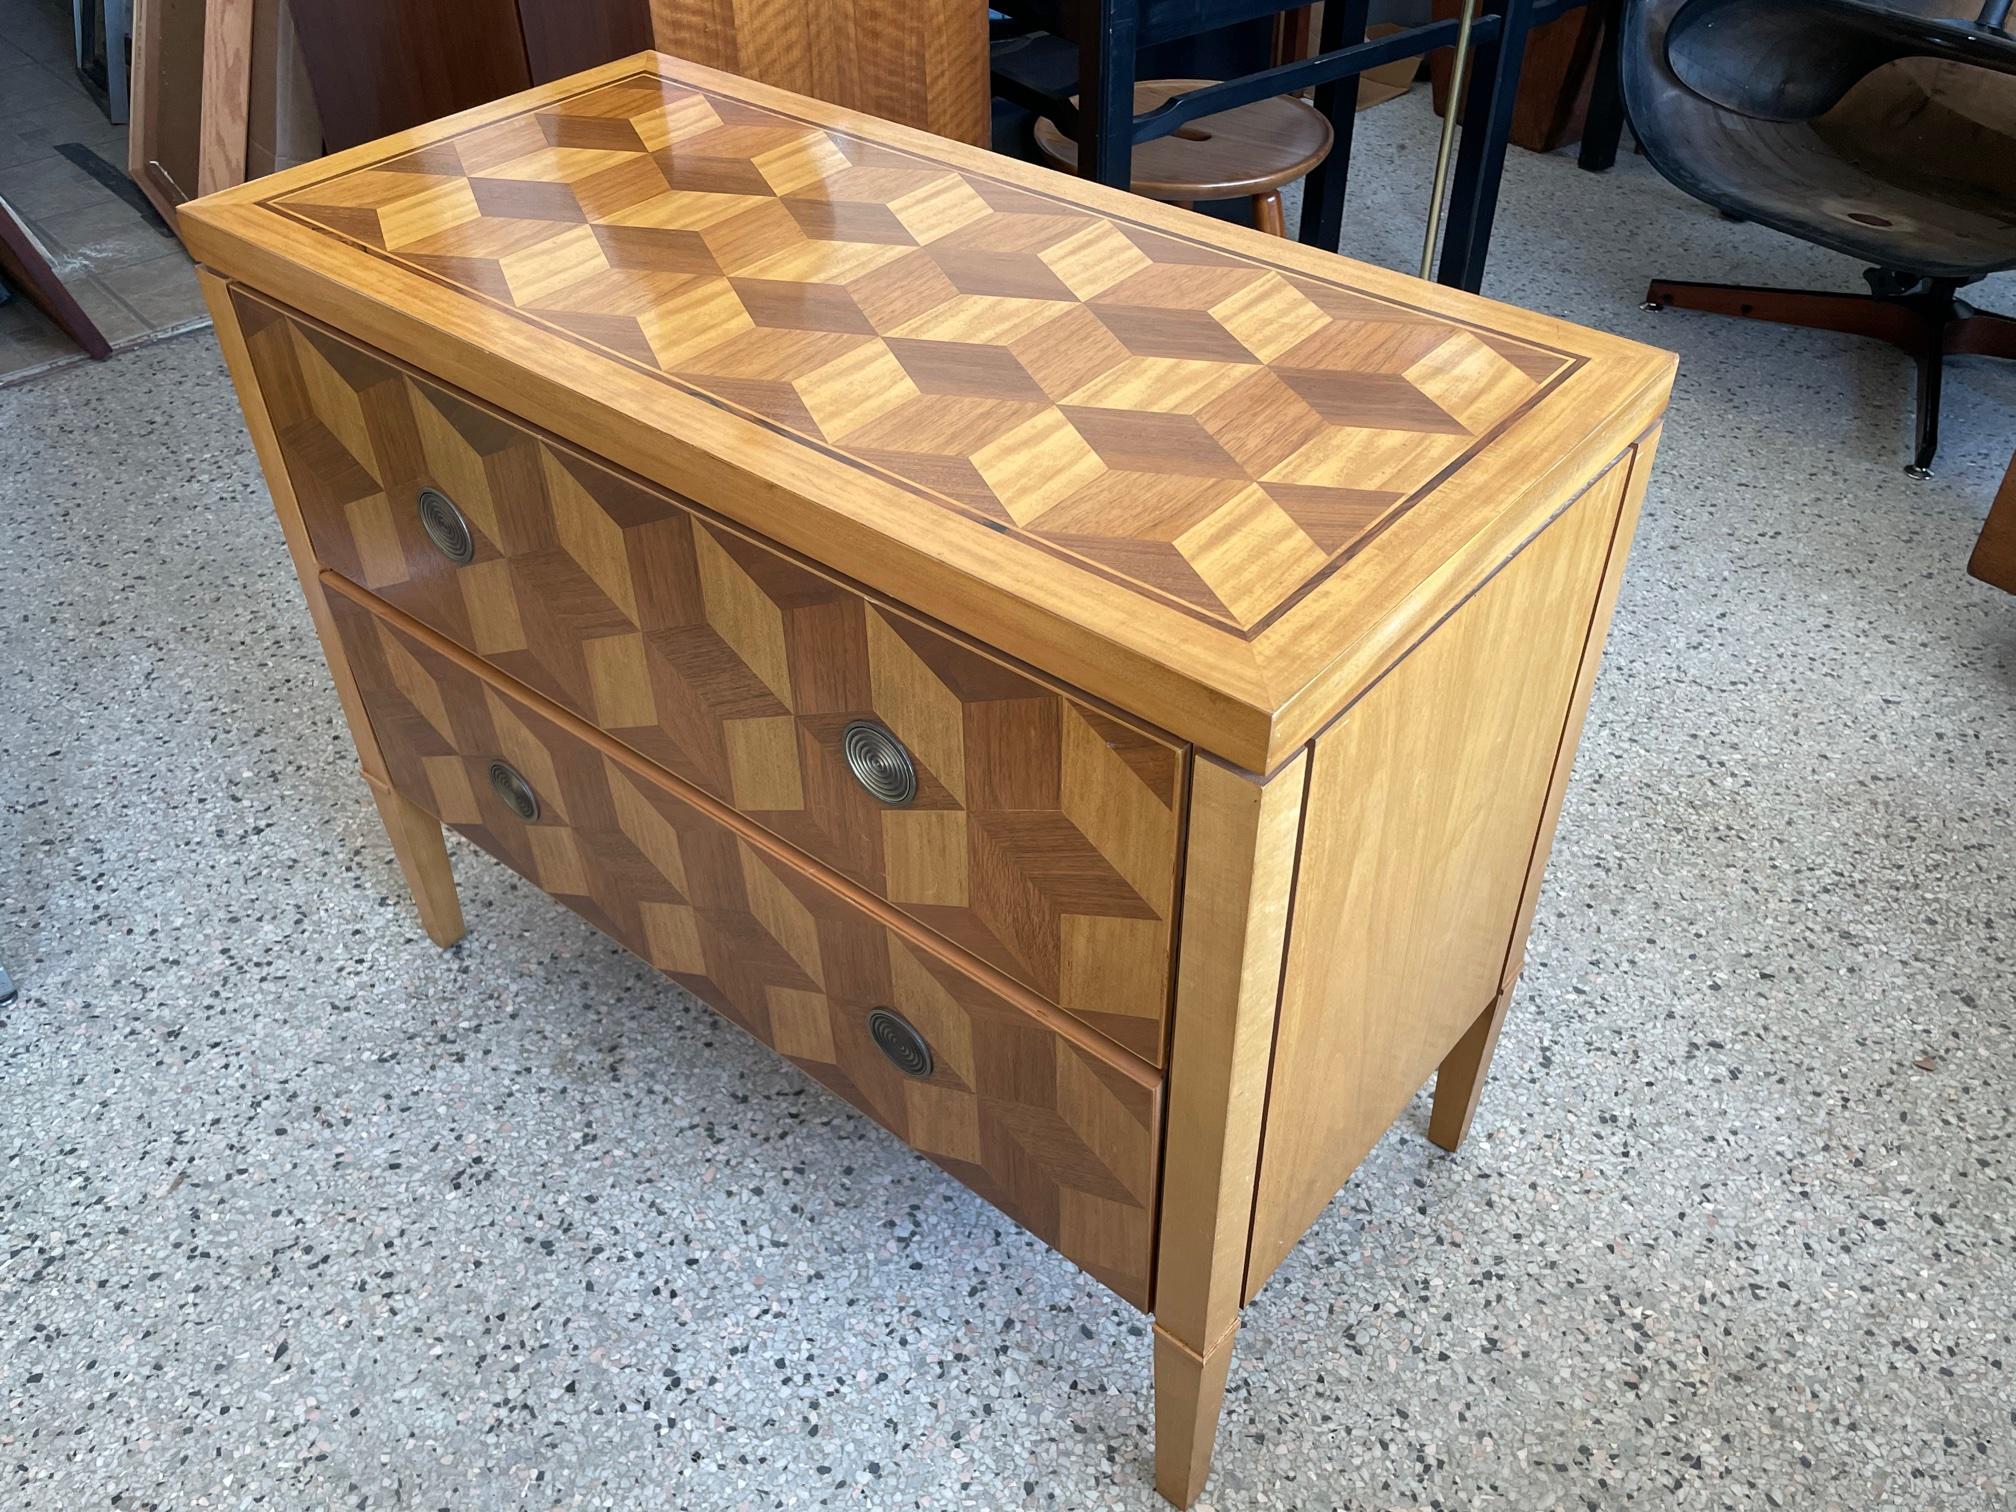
x: 1091, y: 686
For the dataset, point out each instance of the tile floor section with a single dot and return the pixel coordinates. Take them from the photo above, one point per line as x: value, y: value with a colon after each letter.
x: 301, y: 1212
x: 123, y: 266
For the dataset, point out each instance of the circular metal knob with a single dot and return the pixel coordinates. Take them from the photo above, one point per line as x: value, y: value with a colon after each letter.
x: 514, y: 790
x: 903, y: 1046
x: 445, y: 526
x: 879, y: 762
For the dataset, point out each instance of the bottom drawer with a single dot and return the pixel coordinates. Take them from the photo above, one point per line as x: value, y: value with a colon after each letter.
x: 1061, y: 1138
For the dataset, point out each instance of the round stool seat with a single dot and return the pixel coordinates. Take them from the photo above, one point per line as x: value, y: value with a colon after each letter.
x: 1251, y: 150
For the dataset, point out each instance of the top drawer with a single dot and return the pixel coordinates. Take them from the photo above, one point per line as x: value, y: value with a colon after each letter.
x: 1042, y: 834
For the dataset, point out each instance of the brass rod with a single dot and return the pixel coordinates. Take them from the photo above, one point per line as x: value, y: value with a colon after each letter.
x: 1449, y: 113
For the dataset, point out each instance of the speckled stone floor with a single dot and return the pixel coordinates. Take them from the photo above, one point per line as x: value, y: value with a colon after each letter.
x: 300, y: 1212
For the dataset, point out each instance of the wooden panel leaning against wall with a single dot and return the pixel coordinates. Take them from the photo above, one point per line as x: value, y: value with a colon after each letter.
x: 386, y: 65
x: 919, y: 62
x: 381, y: 66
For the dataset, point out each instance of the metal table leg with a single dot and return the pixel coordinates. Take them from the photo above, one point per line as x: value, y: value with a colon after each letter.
x: 1108, y: 36
x: 1323, y: 190
x: 1604, y: 127
x: 1480, y: 161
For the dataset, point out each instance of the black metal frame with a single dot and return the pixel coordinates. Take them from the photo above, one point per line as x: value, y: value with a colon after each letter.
x: 1109, y: 33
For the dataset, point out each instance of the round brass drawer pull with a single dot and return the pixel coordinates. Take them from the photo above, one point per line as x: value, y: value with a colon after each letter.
x: 515, y: 791
x: 445, y: 526
x: 902, y: 1046
x: 879, y: 762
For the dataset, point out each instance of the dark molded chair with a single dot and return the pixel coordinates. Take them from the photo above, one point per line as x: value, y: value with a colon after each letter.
x: 1887, y: 132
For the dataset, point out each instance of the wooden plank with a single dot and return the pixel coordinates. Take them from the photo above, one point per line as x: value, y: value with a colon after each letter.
x: 140, y: 88
x: 923, y: 63
x: 164, y: 119
x: 380, y: 66
x: 563, y: 37
x: 1400, y: 441
x: 1424, y: 802
x: 25, y: 267
x: 227, y: 94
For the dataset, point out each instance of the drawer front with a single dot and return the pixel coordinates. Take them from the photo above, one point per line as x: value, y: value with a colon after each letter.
x: 1061, y: 1138
x: 1043, y: 833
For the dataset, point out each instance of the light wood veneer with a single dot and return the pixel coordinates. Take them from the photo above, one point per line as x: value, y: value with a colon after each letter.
x: 1237, y: 607
x: 1057, y: 1133
x: 1043, y: 837
x: 1289, y: 467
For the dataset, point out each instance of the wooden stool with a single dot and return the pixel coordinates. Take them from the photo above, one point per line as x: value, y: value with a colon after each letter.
x: 1248, y: 152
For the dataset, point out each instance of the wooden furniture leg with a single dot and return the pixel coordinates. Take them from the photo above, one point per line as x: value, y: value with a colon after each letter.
x: 1189, y: 1396
x: 1243, y: 837
x: 416, y: 835
x: 420, y: 844
x: 1994, y: 559
x: 1460, y: 1081
x: 1267, y: 213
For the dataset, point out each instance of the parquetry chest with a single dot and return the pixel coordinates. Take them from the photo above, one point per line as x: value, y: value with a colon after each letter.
x: 1091, y: 686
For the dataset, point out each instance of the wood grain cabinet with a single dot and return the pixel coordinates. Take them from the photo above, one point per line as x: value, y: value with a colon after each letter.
x: 1092, y: 686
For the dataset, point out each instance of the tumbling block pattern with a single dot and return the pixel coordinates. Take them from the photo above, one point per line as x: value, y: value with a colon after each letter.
x: 1212, y: 430
x: 1043, y: 837
x: 1058, y: 1138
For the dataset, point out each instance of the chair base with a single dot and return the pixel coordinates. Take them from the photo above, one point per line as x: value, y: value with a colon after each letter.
x: 1922, y: 317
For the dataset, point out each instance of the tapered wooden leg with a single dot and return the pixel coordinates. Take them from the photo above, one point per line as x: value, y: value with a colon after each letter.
x: 1460, y: 1081
x: 1267, y: 214
x: 1461, y: 1078
x: 1994, y: 559
x: 422, y: 850
x: 416, y: 834
x: 1235, y: 920
x: 1189, y: 1393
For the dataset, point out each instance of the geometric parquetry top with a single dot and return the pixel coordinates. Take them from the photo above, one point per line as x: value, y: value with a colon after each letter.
x: 1204, y: 427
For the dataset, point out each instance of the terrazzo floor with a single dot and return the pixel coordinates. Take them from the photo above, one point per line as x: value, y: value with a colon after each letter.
x: 300, y: 1212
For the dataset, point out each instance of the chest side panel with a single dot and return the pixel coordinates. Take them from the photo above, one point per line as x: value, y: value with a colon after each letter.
x: 1425, y: 804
